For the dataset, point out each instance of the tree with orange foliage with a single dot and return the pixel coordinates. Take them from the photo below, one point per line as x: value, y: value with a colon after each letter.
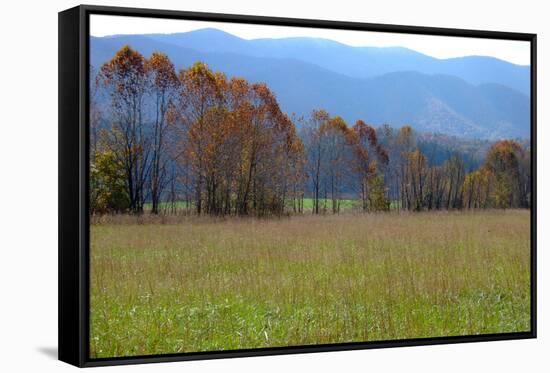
x: 369, y: 157
x: 336, y: 135
x: 242, y: 150
x: 415, y: 177
x: 271, y: 140
x: 295, y: 175
x: 406, y: 142
x: 316, y: 149
x: 125, y: 78
x: 163, y: 84
x: 197, y: 99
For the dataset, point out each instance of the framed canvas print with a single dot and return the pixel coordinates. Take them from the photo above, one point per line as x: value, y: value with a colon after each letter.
x: 237, y: 185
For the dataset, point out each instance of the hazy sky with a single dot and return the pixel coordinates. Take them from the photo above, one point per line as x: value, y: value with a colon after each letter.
x: 517, y: 52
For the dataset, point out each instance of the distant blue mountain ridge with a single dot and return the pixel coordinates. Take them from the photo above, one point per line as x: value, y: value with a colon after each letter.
x: 476, y: 97
x: 359, y: 62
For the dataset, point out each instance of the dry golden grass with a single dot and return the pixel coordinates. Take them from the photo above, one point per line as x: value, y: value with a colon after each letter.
x: 203, y: 285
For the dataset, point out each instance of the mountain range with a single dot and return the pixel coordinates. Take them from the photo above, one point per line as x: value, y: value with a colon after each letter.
x: 474, y: 96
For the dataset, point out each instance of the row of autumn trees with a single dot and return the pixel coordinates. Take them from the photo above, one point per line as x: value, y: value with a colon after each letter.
x: 195, y: 140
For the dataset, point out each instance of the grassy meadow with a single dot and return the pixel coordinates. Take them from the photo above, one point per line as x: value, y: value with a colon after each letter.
x: 203, y: 284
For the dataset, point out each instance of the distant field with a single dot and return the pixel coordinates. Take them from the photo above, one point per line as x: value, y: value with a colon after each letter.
x: 204, y: 285
x: 345, y: 204
x: 179, y: 205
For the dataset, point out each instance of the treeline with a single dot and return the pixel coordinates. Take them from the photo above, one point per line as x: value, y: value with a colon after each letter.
x: 222, y: 146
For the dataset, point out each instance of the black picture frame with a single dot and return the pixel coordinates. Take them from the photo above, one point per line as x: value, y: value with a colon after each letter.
x: 73, y: 182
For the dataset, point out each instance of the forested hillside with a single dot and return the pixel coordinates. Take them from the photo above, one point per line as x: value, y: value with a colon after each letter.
x: 478, y: 97
x: 358, y: 62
